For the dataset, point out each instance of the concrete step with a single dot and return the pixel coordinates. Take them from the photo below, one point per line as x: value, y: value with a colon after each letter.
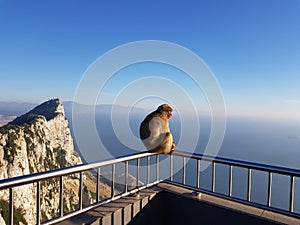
x: 118, y: 212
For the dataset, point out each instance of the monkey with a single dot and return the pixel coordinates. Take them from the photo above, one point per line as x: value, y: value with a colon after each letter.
x: 155, y: 132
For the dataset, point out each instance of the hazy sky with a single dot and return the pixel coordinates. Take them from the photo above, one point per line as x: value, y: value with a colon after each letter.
x: 252, y: 47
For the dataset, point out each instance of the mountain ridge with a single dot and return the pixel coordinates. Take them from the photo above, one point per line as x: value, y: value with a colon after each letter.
x: 38, y: 141
x: 49, y: 109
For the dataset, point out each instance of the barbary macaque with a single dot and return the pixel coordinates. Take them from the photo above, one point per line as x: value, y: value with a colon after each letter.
x: 155, y: 132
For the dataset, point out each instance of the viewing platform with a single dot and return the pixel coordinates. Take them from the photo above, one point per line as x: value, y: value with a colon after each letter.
x: 158, y: 198
x: 166, y: 203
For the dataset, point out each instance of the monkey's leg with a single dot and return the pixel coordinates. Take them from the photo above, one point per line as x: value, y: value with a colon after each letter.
x: 166, y: 144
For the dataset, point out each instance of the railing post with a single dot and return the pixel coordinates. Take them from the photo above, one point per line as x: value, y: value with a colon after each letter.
x: 171, y: 168
x: 80, y: 189
x: 269, y: 188
x: 11, y: 206
x: 230, y: 181
x: 98, y: 185
x: 249, y: 185
x: 61, y: 196
x: 157, y: 167
x: 113, y: 180
x: 292, y: 191
x: 126, y: 176
x: 38, y: 203
x: 198, y: 173
x: 148, y: 169
x: 213, y: 175
x: 137, y: 172
x: 183, y: 170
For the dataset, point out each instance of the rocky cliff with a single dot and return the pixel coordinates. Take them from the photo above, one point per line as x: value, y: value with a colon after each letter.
x: 39, y: 140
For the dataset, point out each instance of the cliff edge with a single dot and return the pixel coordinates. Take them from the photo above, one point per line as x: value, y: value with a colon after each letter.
x: 39, y: 140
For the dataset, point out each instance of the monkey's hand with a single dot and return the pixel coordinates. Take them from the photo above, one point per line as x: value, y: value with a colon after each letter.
x: 173, y: 148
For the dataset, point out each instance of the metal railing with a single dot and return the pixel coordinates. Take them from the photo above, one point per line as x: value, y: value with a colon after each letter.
x: 292, y: 174
x: 12, y: 183
x: 36, y: 179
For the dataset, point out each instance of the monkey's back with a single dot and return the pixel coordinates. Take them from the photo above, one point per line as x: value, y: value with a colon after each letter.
x: 144, y: 128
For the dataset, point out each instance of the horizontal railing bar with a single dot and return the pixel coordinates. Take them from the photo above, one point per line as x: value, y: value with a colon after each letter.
x: 240, y: 163
x: 31, y: 178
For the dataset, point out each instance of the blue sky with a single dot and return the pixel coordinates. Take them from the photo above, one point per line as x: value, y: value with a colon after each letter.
x: 252, y: 47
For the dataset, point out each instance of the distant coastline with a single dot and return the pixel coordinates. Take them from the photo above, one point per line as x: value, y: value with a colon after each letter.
x: 6, y: 119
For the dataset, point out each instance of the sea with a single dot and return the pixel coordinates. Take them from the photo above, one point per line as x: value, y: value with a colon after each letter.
x: 274, y: 142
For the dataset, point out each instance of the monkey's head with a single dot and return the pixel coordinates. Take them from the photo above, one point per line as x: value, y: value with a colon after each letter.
x: 165, y: 110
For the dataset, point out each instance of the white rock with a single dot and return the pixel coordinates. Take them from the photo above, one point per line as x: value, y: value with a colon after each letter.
x: 39, y: 146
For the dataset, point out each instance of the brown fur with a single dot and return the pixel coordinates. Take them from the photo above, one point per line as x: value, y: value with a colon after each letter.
x: 155, y: 131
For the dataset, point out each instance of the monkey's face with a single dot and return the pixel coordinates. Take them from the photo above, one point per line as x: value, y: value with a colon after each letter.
x: 166, y: 111
x: 166, y: 114
x: 169, y: 114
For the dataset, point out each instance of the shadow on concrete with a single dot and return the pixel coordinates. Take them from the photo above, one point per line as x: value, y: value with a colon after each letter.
x: 167, y: 208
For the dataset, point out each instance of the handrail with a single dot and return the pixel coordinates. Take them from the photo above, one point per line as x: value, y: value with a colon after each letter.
x: 34, y: 177
x: 240, y: 163
x: 31, y: 178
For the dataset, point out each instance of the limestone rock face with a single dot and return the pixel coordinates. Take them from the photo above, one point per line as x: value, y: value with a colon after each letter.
x: 40, y: 140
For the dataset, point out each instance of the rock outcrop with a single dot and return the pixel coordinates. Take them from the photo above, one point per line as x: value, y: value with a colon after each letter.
x: 39, y: 140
